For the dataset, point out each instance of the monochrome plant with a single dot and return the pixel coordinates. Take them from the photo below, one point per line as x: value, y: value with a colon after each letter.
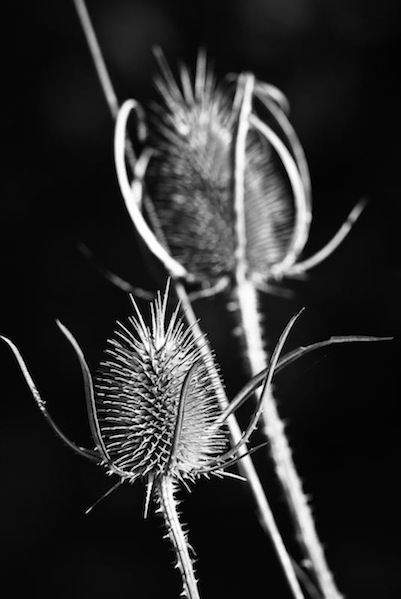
x: 156, y: 415
x: 220, y: 194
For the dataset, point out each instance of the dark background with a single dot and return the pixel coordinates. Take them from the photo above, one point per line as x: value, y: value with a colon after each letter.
x: 337, y: 62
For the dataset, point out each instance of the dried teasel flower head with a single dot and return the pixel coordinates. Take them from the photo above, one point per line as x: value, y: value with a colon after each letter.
x: 224, y: 177
x: 156, y: 401
x: 157, y: 413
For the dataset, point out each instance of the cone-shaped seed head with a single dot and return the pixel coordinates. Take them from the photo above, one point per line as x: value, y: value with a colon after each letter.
x: 191, y: 180
x: 149, y: 427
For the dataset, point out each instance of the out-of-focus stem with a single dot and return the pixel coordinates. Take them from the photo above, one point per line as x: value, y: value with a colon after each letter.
x: 97, y: 56
x: 273, y: 427
x: 247, y: 302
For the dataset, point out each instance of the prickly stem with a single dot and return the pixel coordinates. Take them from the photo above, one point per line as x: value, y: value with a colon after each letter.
x: 273, y: 427
x: 165, y: 492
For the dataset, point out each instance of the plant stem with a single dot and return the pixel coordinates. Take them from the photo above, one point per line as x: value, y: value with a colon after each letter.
x: 165, y: 488
x: 97, y: 56
x: 254, y: 352
x: 273, y: 426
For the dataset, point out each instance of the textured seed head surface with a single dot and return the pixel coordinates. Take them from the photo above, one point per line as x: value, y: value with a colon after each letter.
x: 191, y: 179
x: 148, y: 427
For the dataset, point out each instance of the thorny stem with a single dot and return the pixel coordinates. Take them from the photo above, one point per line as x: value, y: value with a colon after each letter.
x: 247, y: 302
x: 297, y: 501
x: 265, y: 514
x: 164, y: 488
x: 280, y: 450
x: 245, y: 296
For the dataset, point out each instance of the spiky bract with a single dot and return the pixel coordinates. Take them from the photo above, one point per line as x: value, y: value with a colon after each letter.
x: 151, y: 426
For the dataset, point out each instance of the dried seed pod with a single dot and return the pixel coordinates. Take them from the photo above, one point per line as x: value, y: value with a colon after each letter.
x: 223, y: 180
x: 192, y: 177
x: 156, y: 400
x: 156, y: 414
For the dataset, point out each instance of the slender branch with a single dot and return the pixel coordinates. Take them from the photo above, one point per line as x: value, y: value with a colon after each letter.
x: 97, y: 56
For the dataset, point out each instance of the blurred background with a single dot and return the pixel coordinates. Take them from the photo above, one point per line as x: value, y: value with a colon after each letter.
x: 337, y: 62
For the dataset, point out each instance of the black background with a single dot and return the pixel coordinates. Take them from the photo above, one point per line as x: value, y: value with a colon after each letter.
x: 337, y: 62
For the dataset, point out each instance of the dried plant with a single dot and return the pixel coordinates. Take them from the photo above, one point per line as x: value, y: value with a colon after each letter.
x: 224, y: 185
x: 220, y: 194
x: 155, y: 415
x: 231, y: 202
x: 133, y: 192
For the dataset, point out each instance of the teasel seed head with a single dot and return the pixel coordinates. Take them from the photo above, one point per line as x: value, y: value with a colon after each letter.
x: 191, y: 178
x: 156, y: 401
x: 223, y: 180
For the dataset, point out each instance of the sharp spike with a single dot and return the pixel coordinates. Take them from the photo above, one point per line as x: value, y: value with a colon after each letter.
x: 106, y: 494
x: 148, y: 497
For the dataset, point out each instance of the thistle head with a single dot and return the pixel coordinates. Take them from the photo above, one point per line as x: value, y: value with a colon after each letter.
x: 193, y: 175
x: 155, y: 400
x: 224, y: 177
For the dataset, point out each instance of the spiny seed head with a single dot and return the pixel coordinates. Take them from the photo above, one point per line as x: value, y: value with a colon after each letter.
x: 191, y: 179
x: 148, y: 425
